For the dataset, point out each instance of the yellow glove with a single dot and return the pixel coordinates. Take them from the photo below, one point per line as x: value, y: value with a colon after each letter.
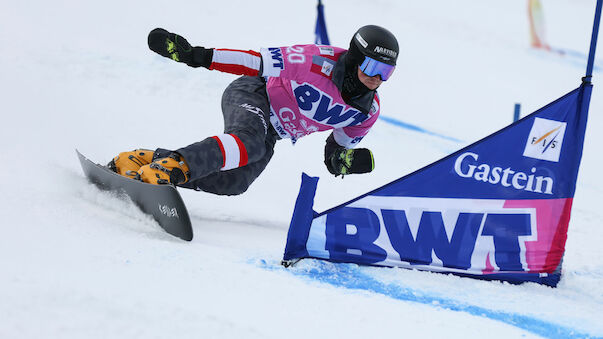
x: 169, y: 170
x: 128, y: 163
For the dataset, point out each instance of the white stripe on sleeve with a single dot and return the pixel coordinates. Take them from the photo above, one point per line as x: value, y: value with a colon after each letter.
x: 241, y: 58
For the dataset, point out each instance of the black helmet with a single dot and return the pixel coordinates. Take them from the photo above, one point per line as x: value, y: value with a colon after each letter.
x: 375, y: 42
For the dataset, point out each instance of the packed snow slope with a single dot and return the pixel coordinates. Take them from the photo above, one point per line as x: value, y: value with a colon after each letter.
x: 76, y: 262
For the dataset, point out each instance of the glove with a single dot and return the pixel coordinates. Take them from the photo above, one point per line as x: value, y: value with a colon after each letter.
x: 174, y: 46
x: 128, y: 163
x: 169, y: 170
x: 345, y: 161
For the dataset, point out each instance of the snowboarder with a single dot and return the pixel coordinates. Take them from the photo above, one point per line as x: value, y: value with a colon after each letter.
x: 284, y: 93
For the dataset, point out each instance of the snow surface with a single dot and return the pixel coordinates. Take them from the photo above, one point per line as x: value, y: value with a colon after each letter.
x: 76, y: 262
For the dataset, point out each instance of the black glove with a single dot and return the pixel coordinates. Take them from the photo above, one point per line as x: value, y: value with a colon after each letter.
x: 350, y: 161
x: 174, y: 46
x: 342, y: 161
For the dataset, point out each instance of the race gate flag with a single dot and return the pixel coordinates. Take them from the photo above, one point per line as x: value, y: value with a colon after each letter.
x: 498, y: 209
x: 320, y: 30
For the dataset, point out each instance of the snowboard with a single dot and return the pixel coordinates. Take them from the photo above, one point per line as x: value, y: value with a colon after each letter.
x: 162, y: 202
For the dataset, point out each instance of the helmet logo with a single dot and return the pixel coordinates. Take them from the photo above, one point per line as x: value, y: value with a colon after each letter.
x: 388, y: 52
x: 361, y: 40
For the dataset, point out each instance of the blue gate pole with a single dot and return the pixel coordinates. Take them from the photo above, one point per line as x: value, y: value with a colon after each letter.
x: 593, y: 43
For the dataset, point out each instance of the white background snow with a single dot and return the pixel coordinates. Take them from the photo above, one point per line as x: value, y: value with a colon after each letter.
x: 76, y: 262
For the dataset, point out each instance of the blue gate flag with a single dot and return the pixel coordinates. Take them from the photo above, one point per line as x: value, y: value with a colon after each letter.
x: 322, y: 38
x: 498, y: 209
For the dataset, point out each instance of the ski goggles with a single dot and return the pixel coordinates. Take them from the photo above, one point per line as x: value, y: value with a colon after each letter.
x: 372, y: 67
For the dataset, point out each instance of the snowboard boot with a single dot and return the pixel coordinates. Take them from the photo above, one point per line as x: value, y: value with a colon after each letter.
x: 168, y: 170
x: 128, y: 163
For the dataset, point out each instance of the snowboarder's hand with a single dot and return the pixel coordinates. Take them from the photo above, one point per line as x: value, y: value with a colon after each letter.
x: 345, y: 161
x: 128, y: 163
x: 170, y: 45
x: 174, y: 46
x: 169, y: 170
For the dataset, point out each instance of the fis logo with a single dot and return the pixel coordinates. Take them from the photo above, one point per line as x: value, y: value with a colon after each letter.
x: 545, y: 140
x: 326, y: 68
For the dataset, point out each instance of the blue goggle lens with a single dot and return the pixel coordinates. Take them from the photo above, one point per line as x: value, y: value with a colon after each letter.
x: 372, y: 67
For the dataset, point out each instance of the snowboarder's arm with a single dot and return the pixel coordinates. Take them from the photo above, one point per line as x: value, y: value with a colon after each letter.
x: 340, y: 157
x: 176, y: 47
x: 236, y: 61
